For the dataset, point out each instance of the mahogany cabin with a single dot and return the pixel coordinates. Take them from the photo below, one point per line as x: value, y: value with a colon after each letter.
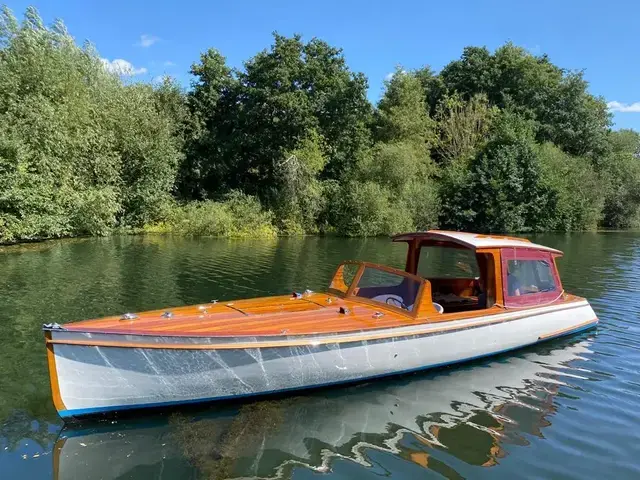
x: 469, y: 272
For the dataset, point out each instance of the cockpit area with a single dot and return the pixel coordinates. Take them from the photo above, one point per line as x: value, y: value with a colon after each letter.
x: 452, y: 272
x: 468, y: 272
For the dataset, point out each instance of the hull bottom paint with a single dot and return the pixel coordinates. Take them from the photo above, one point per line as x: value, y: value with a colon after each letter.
x: 274, y: 372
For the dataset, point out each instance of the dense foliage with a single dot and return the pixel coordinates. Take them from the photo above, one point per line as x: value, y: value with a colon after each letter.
x: 290, y: 144
x: 80, y: 152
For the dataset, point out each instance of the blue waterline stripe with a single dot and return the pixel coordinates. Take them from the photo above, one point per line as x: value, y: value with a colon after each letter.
x: 89, y: 411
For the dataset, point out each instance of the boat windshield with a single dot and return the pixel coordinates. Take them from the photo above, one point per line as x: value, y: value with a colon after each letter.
x: 385, y: 286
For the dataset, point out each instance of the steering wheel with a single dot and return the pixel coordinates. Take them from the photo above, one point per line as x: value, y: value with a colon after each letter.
x: 391, y: 299
x: 396, y: 301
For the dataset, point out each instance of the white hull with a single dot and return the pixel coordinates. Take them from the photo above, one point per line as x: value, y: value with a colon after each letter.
x: 96, y: 379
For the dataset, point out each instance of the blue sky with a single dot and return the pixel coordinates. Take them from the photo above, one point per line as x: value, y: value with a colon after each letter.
x: 166, y: 37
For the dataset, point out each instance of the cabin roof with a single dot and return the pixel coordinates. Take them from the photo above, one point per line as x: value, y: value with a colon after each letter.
x: 473, y: 240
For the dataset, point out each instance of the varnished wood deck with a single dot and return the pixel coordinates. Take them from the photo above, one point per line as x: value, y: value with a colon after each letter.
x: 280, y: 315
x: 274, y: 316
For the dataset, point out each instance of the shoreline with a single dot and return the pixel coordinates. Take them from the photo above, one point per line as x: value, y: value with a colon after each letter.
x: 150, y: 233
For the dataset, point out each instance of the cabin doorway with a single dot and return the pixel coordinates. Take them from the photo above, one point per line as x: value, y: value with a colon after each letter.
x: 461, y: 279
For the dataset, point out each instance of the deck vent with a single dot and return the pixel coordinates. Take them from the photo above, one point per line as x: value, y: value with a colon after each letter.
x: 167, y: 315
x: 129, y: 316
x: 378, y: 315
x: 344, y: 310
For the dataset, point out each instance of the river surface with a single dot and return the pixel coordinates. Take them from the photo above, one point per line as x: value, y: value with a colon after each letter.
x: 568, y: 408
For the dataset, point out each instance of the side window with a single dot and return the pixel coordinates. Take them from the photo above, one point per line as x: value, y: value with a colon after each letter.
x: 525, y: 277
x: 545, y: 276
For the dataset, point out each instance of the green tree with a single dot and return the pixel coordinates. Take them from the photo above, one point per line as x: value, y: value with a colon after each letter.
x: 299, y: 191
x: 367, y: 209
x: 502, y: 190
x: 576, y: 192
x: 400, y: 161
x: 620, y: 171
x: 249, y: 120
x: 80, y: 151
x: 497, y: 141
x: 462, y: 126
x: 402, y: 114
x: 208, y: 168
x: 564, y: 111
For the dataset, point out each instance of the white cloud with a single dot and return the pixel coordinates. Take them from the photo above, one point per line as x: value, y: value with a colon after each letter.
x: 390, y: 75
x: 122, y: 67
x: 147, y: 40
x: 169, y: 63
x: 624, y: 107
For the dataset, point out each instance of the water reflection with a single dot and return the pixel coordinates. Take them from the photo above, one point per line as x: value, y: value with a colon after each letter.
x: 470, y: 414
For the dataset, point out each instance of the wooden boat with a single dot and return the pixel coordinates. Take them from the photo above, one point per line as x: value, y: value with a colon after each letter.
x: 461, y: 296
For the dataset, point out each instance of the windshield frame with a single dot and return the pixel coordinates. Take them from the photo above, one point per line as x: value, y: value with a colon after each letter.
x: 349, y: 295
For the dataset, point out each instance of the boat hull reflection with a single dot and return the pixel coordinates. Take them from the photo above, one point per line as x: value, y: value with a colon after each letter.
x: 270, y: 438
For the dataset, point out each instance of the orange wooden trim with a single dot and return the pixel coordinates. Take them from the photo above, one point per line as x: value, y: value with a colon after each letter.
x: 356, y: 278
x: 286, y: 343
x: 323, y: 321
x: 337, y: 281
x: 568, y: 329
x: 413, y: 254
x: 425, y: 297
x: 216, y: 315
x: 497, y: 269
x: 497, y: 272
x: 557, y: 272
x: 53, y: 374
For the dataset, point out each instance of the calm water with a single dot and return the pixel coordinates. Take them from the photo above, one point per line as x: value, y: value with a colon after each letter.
x: 565, y: 409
